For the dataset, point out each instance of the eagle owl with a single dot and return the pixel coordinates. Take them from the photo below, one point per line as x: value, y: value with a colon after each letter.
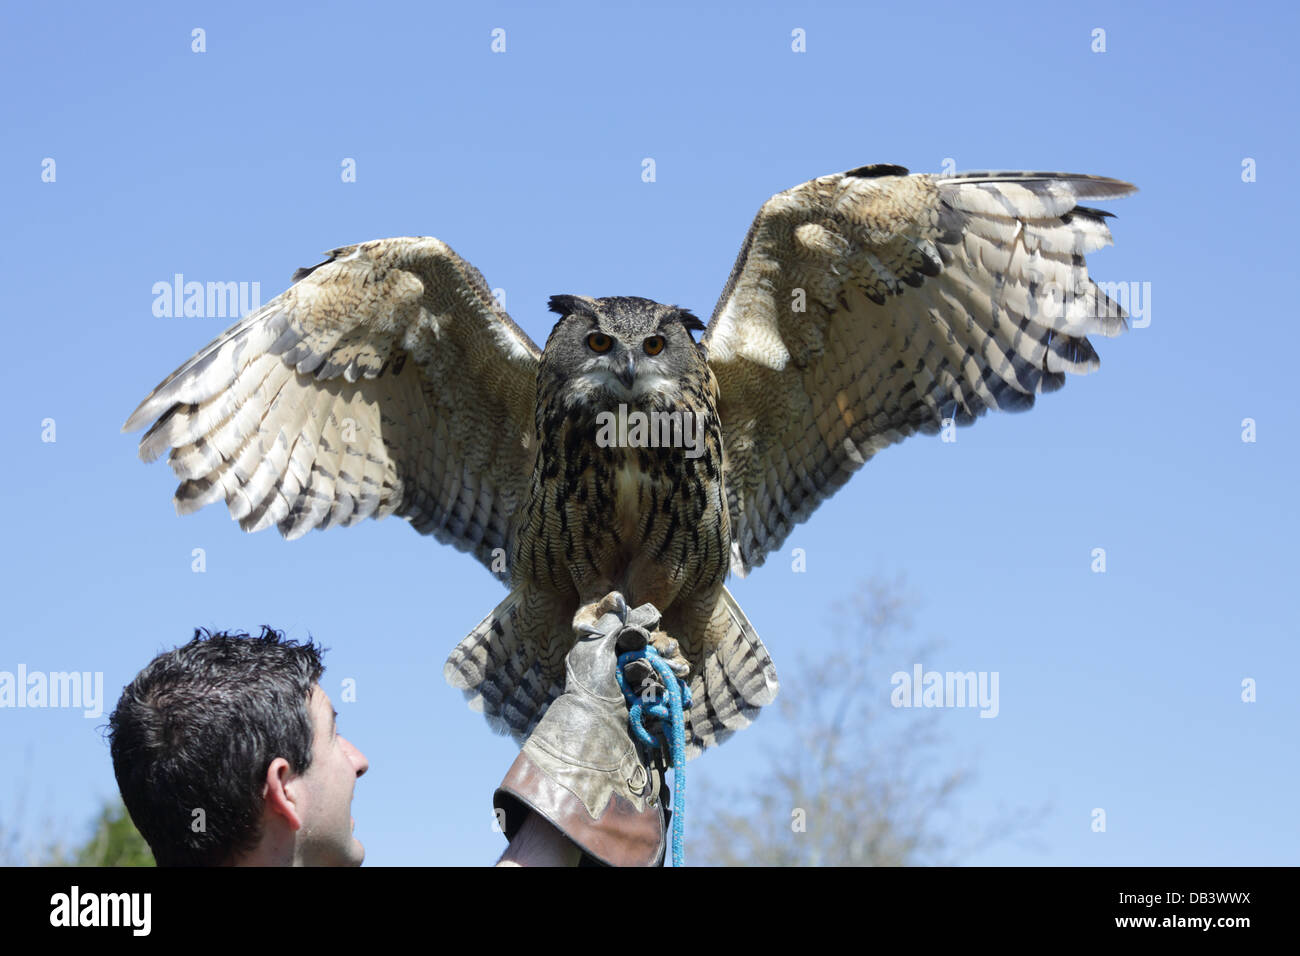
x: 864, y: 306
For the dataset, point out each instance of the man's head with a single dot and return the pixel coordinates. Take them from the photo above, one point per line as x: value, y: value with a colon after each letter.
x: 225, y: 751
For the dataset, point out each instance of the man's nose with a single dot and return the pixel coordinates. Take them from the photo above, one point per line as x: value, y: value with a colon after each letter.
x: 357, y: 757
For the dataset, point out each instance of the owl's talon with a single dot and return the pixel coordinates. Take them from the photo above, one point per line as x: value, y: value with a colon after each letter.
x: 615, y: 602
x: 671, y: 652
x: 635, y: 628
x: 589, y: 618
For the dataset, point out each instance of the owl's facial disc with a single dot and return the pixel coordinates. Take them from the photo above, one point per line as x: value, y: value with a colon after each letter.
x: 622, y: 346
x: 627, y: 375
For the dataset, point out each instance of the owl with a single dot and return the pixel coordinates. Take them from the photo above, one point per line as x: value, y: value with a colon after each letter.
x: 627, y: 456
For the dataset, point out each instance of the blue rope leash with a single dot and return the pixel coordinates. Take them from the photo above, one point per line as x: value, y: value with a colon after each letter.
x: 670, y: 714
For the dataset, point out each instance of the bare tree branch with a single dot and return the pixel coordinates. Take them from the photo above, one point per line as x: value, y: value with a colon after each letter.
x: 860, y: 783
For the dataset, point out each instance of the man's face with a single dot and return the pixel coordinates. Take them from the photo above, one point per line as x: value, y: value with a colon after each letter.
x: 326, y: 791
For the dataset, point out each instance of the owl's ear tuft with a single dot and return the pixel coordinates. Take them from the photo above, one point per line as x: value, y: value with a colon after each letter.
x: 876, y: 170
x: 563, y: 305
x: 690, y: 320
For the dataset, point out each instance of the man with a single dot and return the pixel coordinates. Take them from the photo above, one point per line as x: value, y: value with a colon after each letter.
x: 227, y: 754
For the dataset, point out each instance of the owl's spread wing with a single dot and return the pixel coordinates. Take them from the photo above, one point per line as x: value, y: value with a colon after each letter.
x: 869, y: 305
x: 386, y: 380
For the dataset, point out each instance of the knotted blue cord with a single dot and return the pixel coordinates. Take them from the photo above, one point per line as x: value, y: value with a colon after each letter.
x: 672, y: 714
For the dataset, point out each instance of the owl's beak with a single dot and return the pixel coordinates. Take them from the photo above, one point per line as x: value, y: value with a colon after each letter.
x: 626, y: 371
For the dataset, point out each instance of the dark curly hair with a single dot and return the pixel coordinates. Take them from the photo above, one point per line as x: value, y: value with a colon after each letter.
x: 197, y: 730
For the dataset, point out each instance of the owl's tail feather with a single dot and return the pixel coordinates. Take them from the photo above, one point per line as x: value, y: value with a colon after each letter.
x: 737, y: 680
x: 508, y: 674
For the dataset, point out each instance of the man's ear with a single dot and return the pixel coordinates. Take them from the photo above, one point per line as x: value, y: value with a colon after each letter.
x: 281, y: 795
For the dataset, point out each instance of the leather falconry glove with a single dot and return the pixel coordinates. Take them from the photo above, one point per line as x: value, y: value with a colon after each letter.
x: 580, y: 768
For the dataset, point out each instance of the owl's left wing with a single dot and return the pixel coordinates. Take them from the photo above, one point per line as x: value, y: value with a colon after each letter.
x: 866, y: 306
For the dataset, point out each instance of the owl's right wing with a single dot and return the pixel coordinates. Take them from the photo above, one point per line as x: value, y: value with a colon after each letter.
x: 386, y: 380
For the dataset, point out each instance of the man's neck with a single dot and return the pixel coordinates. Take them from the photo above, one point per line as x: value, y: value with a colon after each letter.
x: 276, y: 848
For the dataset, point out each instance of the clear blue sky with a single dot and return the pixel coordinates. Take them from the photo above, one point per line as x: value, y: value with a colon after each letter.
x: 1119, y: 690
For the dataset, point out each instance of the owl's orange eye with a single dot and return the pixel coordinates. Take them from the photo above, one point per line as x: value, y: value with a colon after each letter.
x: 654, y: 345
x: 599, y: 342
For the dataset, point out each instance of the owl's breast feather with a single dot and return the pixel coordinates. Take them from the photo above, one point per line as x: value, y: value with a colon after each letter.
x: 630, y: 483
